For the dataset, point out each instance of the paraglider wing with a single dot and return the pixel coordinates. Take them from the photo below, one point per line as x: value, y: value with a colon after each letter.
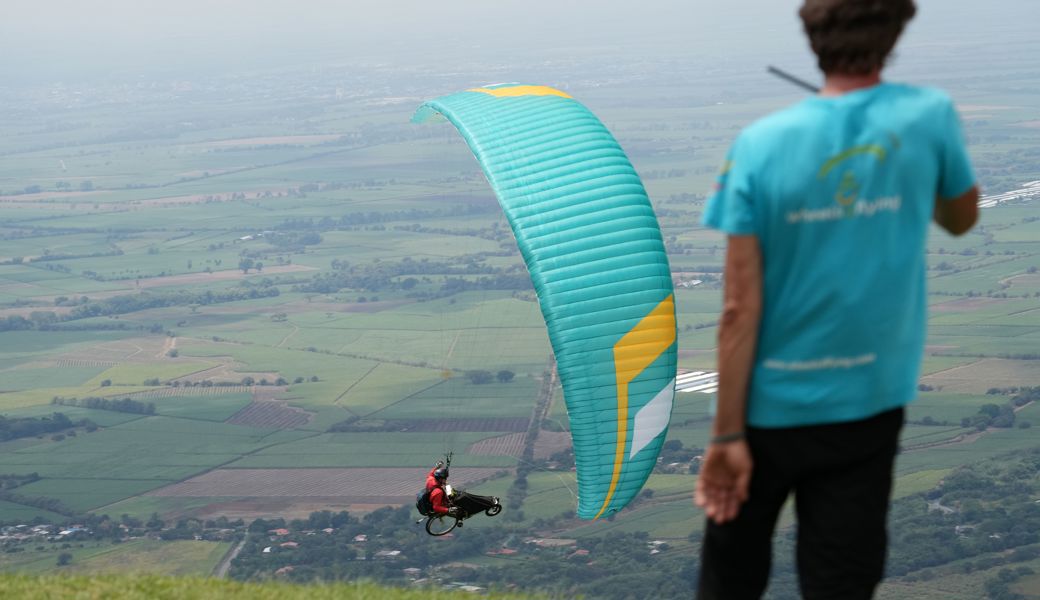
x: 594, y: 250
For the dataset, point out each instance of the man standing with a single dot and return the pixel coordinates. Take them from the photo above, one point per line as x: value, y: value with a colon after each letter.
x: 826, y: 205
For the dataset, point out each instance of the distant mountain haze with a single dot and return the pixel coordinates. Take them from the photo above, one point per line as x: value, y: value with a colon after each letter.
x: 55, y: 39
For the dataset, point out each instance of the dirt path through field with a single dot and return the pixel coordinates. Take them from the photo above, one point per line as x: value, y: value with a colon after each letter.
x: 294, y: 331
x: 454, y: 342
x: 225, y: 563
x: 964, y: 438
x: 950, y: 370
x: 169, y: 344
x: 965, y: 304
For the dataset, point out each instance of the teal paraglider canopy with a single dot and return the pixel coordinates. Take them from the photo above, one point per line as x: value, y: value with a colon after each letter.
x: 594, y: 250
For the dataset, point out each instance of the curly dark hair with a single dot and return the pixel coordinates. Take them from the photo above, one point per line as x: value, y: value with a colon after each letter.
x: 853, y: 37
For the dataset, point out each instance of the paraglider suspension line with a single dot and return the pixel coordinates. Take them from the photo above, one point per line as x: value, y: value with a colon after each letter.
x: 558, y: 476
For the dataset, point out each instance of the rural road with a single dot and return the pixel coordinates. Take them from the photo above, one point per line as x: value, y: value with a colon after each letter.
x: 225, y: 563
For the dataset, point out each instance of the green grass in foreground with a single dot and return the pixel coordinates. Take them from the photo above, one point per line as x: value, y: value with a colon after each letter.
x: 144, y: 587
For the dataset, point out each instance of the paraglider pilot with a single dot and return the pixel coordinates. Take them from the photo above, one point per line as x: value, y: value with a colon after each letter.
x: 435, y: 481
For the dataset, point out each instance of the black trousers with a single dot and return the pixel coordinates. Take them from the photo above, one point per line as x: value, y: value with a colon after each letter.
x: 841, y: 476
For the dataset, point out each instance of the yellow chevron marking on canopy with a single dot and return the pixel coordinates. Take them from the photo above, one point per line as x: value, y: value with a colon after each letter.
x: 633, y: 353
x: 521, y: 90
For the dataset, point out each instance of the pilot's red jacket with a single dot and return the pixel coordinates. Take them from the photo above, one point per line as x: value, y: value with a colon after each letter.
x: 437, y: 496
x: 439, y: 500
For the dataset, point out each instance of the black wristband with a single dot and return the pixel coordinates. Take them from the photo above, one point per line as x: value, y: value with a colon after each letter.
x: 727, y: 438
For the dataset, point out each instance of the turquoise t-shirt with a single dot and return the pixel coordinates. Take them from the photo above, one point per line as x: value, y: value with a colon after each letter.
x: 839, y: 192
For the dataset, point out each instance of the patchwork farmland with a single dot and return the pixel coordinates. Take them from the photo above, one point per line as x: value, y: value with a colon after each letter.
x: 270, y: 414
x: 362, y: 486
x: 305, y: 312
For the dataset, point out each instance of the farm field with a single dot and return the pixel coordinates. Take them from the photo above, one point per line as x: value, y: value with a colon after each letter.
x: 363, y: 486
x: 180, y: 557
x: 264, y: 314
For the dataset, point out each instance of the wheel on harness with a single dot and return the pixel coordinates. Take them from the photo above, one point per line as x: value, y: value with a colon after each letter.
x: 494, y: 509
x: 438, y: 525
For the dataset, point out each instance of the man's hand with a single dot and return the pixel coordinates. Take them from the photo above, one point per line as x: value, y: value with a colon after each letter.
x: 958, y: 215
x: 722, y: 485
x: 453, y: 511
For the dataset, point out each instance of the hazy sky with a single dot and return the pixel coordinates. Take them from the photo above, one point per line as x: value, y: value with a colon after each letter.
x: 56, y: 37
x: 48, y: 32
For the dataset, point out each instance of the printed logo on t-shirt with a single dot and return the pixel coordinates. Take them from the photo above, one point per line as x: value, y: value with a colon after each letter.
x: 848, y: 203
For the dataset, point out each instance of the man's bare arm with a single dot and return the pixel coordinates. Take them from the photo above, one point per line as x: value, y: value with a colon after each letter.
x: 738, y: 331
x: 725, y: 474
x: 958, y: 215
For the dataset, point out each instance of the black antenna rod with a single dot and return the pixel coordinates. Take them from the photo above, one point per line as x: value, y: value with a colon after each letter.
x: 792, y: 79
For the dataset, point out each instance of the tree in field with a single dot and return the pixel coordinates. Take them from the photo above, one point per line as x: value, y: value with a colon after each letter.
x: 64, y: 558
x: 245, y: 264
x: 505, y: 376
